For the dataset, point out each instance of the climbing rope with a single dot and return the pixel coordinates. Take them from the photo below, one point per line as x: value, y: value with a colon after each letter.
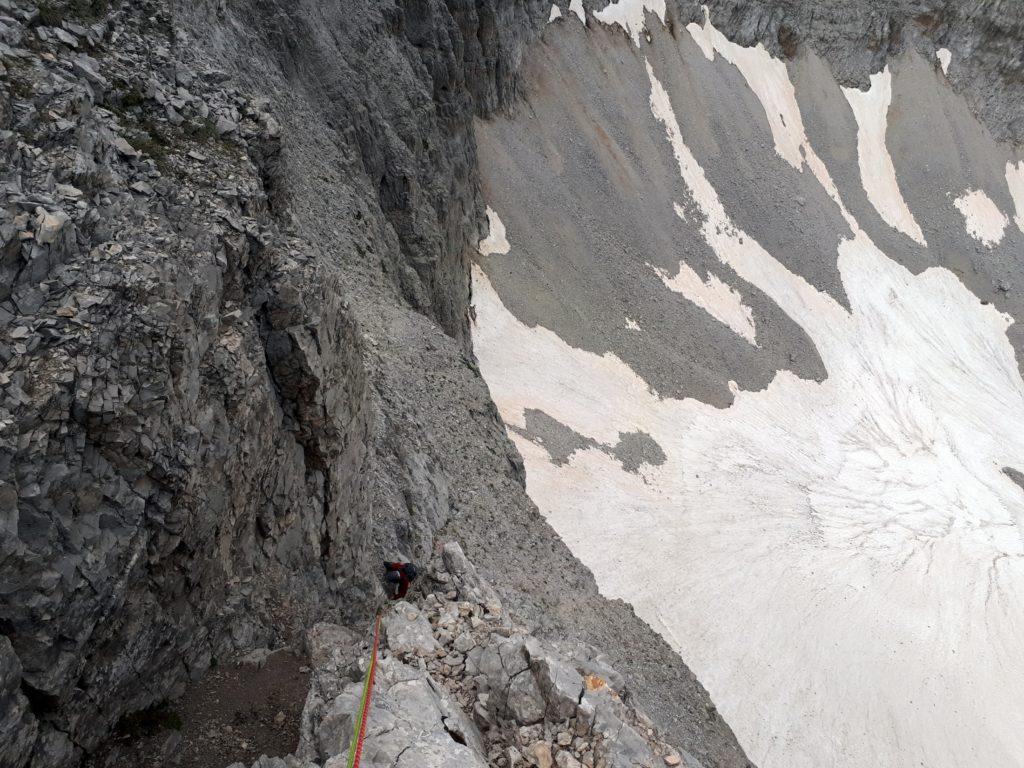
x: 355, y: 750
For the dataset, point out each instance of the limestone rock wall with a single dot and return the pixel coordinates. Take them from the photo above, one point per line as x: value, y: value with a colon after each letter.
x: 187, y: 426
x: 857, y: 39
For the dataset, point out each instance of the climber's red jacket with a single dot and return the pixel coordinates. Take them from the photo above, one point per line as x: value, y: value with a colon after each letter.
x: 398, y: 576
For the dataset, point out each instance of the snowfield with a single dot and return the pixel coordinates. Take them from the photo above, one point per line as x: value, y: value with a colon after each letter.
x: 840, y: 562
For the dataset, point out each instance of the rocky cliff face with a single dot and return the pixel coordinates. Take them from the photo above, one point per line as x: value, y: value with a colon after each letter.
x: 233, y: 314
x: 857, y: 38
x: 188, y: 428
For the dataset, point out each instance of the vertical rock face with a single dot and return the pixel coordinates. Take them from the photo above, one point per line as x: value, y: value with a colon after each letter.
x: 188, y: 430
x: 393, y: 87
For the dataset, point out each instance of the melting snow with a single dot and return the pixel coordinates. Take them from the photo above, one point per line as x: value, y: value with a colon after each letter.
x: 495, y: 241
x: 719, y: 300
x: 984, y: 221
x: 1015, y: 181
x: 631, y: 15
x: 877, y: 173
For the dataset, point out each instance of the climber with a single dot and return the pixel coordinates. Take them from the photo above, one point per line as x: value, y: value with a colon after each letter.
x: 397, y: 577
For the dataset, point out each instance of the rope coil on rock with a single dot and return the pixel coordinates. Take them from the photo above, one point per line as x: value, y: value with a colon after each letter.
x: 355, y: 751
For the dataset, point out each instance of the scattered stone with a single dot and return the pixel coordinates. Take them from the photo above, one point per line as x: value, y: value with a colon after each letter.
x: 69, y: 192
x: 225, y: 126
x: 88, y: 67
x: 524, y: 700
x: 541, y: 753
x: 65, y: 37
x: 50, y: 225
x: 123, y: 147
x: 257, y: 658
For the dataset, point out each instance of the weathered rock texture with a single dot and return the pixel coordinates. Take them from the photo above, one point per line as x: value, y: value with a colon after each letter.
x: 233, y: 331
x: 857, y: 39
x: 474, y: 690
x: 188, y: 429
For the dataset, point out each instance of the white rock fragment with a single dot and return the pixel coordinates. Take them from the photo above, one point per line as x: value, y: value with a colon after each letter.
x: 49, y: 226
x: 123, y: 147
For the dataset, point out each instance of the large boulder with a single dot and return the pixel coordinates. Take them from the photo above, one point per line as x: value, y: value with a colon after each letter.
x: 608, y: 717
x: 559, y: 682
x: 412, y: 723
x: 407, y: 630
x: 470, y: 584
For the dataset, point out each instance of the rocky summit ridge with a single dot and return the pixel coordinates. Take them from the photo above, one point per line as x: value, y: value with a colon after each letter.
x: 460, y: 685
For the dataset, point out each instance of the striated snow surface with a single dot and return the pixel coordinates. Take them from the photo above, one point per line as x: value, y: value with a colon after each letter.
x: 841, y: 563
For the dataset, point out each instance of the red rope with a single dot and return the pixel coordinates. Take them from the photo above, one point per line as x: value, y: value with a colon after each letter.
x: 360, y: 735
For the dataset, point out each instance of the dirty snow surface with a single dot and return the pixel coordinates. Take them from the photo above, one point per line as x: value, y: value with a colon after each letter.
x: 790, y: 293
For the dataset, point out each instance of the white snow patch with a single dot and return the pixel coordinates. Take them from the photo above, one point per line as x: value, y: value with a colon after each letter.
x: 944, y: 56
x: 983, y: 219
x: 556, y: 13
x: 768, y: 78
x: 632, y: 325
x: 576, y: 6
x: 877, y: 172
x: 1015, y: 181
x: 715, y: 297
x: 495, y: 241
x: 704, y: 36
x: 631, y: 15
x: 732, y: 245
